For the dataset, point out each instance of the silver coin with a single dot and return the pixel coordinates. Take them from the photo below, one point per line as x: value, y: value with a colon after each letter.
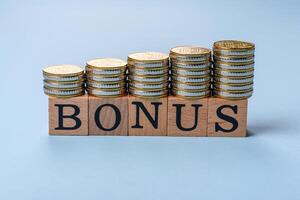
x: 63, y: 85
x: 234, y: 59
x: 185, y: 93
x: 241, y: 80
x: 146, y: 86
x: 184, y: 72
x: 231, y: 95
x: 150, y: 72
x: 185, y: 79
x: 191, y: 66
x: 191, y: 58
x: 63, y: 78
x: 57, y: 92
x: 105, y: 79
x: 234, y: 52
x: 148, y: 93
x: 99, y: 92
x: 233, y: 66
x: 102, y: 85
x: 183, y: 86
x: 148, y: 79
x: 104, y: 71
x: 220, y: 86
x: 148, y: 65
x: 239, y: 73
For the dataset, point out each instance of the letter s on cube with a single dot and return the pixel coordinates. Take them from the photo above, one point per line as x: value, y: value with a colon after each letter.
x: 227, y: 118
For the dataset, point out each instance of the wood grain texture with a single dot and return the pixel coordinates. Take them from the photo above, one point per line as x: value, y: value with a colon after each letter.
x: 186, y: 124
x: 142, y: 126
x: 111, y: 113
x: 222, y: 126
x: 68, y: 107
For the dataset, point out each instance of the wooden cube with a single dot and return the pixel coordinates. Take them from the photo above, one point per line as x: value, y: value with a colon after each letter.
x: 108, y: 116
x: 227, y: 117
x: 147, y: 117
x: 187, y: 117
x: 68, y: 116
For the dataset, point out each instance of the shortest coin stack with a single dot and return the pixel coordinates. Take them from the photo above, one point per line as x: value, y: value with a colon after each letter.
x: 148, y: 74
x: 63, y: 81
x: 191, y: 68
x: 233, y: 69
x: 106, y: 77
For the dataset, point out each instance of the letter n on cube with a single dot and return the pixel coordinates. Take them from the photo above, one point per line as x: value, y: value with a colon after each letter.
x: 147, y: 117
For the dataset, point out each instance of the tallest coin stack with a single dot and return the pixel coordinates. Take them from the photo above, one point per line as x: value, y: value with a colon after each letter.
x: 233, y: 69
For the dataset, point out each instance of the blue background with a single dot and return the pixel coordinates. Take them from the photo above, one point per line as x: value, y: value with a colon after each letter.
x: 34, y: 34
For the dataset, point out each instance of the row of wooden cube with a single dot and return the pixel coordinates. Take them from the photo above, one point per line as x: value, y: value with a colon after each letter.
x: 129, y: 115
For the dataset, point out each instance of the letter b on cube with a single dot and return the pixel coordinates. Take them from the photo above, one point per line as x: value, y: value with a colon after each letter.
x: 68, y: 116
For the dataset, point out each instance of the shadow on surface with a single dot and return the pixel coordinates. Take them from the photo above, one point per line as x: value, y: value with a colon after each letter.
x: 266, y: 127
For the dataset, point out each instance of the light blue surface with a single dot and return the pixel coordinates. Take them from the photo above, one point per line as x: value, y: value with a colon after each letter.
x: 33, y: 165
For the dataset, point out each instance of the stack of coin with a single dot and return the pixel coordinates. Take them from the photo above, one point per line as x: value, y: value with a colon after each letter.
x: 148, y: 74
x: 106, y: 77
x: 191, y: 71
x: 64, y: 81
x: 233, y: 69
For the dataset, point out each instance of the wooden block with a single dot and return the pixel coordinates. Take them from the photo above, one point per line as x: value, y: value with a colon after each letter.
x: 187, y: 117
x: 108, y: 116
x: 147, y: 116
x: 68, y: 116
x: 227, y: 117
